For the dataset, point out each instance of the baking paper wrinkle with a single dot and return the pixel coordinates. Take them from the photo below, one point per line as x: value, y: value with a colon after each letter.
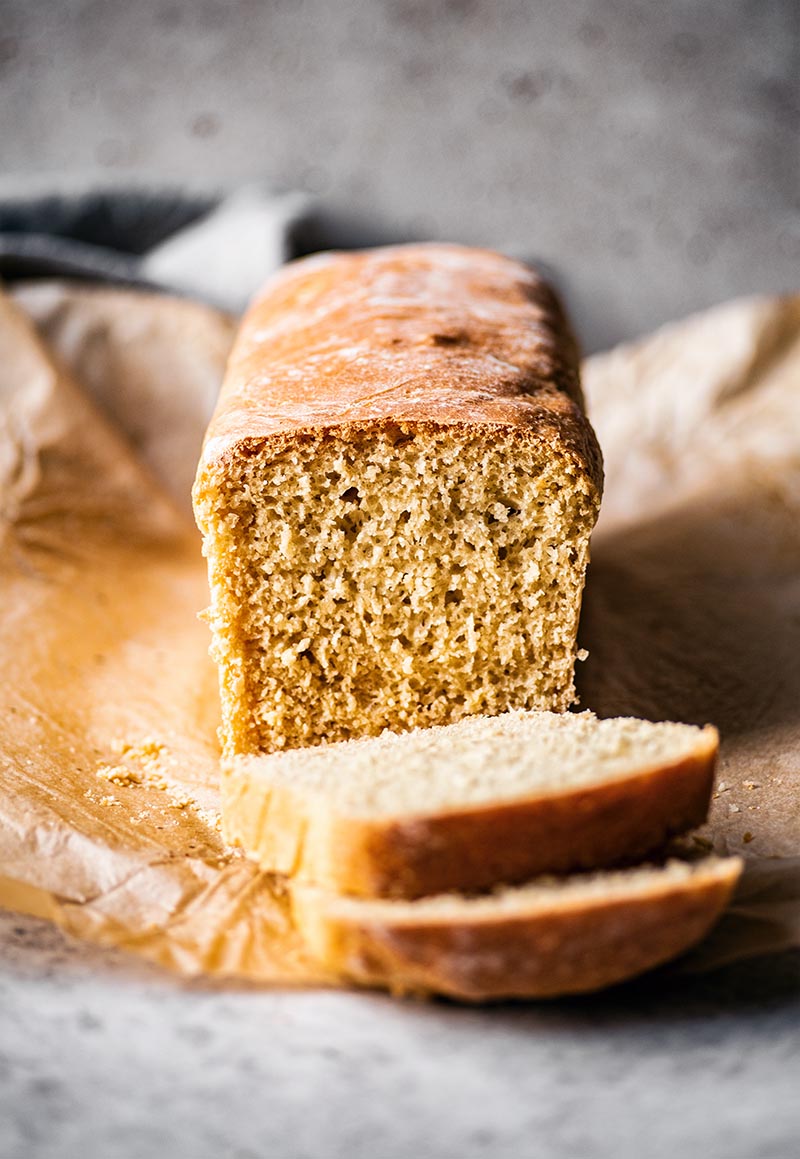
x: 108, y: 705
x: 108, y: 701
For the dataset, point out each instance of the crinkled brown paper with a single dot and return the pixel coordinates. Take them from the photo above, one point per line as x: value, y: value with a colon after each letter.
x: 108, y: 704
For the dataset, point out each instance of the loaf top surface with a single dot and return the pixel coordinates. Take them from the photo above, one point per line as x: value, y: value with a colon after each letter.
x: 414, y: 336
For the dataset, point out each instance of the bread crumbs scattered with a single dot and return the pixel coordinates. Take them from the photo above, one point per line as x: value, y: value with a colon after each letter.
x: 119, y: 775
x: 752, y: 785
x: 723, y: 787
x: 148, y: 749
x: 213, y: 820
x: 141, y: 764
x: 733, y: 808
x: 109, y: 801
x: 747, y: 837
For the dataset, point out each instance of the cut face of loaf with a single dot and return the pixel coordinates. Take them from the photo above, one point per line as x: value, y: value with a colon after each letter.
x: 470, y: 805
x: 396, y: 497
x: 542, y: 940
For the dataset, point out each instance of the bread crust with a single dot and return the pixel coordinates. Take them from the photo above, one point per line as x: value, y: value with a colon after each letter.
x: 467, y: 849
x: 568, y: 947
x: 399, y: 340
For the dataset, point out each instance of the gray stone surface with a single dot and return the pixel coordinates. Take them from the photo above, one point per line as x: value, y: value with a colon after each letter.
x: 102, y: 1058
x: 648, y: 152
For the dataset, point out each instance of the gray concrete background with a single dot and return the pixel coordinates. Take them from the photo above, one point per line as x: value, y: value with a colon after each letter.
x: 101, y: 1059
x: 647, y: 151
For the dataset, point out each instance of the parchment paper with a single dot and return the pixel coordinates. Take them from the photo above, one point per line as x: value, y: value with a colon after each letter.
x: 108, y: 807
x: 108, y: 701
x: 692, y: 609
x: 151, y: 363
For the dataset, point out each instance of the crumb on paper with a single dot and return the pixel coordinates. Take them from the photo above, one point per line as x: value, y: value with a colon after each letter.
x: 732, y: 808
x: 752, y: 784
x: 582, y: 654
x: 747, y: 837
x: 147, y: 749
x: 213, y: 820
x: 141, y: 764
x: 723, y: 787
x: 119, y: 775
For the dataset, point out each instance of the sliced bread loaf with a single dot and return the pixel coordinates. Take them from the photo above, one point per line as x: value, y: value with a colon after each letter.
x: 396, y: 495
x: 548, y: 938
x: 468, y: 806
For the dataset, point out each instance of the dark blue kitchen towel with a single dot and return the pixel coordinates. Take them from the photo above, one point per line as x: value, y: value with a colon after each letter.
x: 217, y: 248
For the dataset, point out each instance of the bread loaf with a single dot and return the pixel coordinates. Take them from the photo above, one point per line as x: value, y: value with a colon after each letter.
x: 396, y: 495
x: 470, y: 805
x: 542, y: 940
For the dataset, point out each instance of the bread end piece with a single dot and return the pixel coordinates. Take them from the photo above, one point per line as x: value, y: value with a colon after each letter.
x: 546, y: 940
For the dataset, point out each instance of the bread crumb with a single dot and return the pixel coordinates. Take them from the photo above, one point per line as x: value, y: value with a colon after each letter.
x: 703, y: 843
x: 723, y: 787
x: 747, y: 837
x: 119, y: 775
x: 486, y: 541
x: 147, y: 749
x: 144, y: 763
x: 109, y: 801
x: 180, y: 802
x: 733, y: 808
x: 213, y: 820
x: 582, y: 654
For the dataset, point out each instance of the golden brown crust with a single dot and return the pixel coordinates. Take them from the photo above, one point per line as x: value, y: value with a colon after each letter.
x: 472, y: 848
x: 402, y: 338
x: 568, y: 947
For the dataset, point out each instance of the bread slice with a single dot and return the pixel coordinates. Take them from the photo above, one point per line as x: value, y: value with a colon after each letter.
x: 542, y: 940
x: 396, y: 495
x: 467, y: 806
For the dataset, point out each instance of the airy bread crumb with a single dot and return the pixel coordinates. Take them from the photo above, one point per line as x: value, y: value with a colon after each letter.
x: 392, y: 584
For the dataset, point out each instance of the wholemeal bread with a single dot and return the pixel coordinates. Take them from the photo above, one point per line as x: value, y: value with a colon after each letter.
x: 396, y: 495
x: 470, y: 805
x: 549, y: 938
